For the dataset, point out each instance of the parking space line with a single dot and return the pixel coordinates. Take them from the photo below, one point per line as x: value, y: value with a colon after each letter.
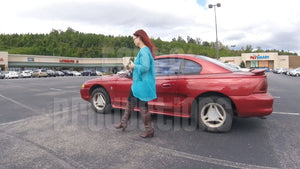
x: 196, y: 157
x: 55, y: 89
x: 286, y: 113
x: 39, y: 116
x: 18, y: 103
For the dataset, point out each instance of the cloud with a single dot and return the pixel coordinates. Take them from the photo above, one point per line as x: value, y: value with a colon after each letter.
x: 107, y: 13
x: 270, y: 25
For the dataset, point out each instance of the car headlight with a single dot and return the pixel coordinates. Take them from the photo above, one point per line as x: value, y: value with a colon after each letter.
x: 82, y: 86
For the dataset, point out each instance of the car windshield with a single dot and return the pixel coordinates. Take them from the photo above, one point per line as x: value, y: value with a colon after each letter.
x: 217, y: 62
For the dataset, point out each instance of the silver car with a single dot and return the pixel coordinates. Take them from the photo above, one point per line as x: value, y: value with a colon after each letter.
x: 2, y: 76
x: 295, y: 72
x: 25, y: 74
x: 11, y: 74
x: 39, y: 73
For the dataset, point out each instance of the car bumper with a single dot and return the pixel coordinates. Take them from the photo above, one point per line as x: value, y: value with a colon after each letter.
x: 85, y: 94
x: 254, y: 105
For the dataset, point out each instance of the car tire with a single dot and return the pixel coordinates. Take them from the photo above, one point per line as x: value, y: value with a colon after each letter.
x: 100, y: 101
x: 215, y: 114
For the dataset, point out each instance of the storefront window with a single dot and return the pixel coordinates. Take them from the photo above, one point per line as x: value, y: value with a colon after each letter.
x: 254, y: 64
x: 17, y: 69
x: 259, y: 64
x: 263, y: 64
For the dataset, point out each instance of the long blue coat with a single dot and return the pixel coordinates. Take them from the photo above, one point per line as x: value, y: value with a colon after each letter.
x: 143, y: 86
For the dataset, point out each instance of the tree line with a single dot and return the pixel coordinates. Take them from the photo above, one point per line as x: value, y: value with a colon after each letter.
x: 72, y: 43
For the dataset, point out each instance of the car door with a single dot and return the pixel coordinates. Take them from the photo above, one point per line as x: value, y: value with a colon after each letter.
x: 187, y: 82
x: 166, y: 72
x: 122, y: 89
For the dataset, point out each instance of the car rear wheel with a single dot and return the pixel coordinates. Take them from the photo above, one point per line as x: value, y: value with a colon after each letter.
x: 100, y: 101
x: 215, y: 114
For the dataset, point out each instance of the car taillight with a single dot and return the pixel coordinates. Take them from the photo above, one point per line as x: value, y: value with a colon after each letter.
x: 262, y: 87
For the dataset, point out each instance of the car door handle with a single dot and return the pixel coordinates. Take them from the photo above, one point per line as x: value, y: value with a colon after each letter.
x: 167, y: 84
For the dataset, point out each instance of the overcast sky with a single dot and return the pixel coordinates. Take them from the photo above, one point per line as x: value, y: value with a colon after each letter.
x: 269, y: 24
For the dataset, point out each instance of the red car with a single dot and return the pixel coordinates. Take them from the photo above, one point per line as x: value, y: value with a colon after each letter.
x: 190, y: 86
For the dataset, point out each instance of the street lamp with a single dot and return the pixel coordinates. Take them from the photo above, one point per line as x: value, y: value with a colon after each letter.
x: 217, y: 43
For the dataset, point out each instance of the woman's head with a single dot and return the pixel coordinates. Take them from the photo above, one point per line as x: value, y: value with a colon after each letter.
x: 142, y: 35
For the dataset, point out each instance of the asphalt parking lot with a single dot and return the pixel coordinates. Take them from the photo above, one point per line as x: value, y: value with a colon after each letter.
x: 45, y: 124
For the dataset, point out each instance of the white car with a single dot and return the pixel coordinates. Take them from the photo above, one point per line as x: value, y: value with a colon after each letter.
x: 295, y: 72
x: 11, y: 74
x: 238, y: 67
x: 25, y: 74
x: 121, y: 72
x: 99, y: 73
x: 75, y: 73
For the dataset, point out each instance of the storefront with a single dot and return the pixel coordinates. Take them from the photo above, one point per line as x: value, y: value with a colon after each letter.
x: 18, y: 62
x: 3, y: 61
x: 269, y: 61
x: 259, y: 61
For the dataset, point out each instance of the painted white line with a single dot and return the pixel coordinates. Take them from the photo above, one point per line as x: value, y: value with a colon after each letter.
x: 18, y: 103
x: 38, y: 116
x: 276, y: 97
x: 55, y: 89
x: 286, y: 113
x: 210, y: 160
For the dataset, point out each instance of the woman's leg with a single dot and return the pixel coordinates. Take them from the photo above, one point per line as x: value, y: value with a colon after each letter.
x: 131, y: 103
x: 146, y: 116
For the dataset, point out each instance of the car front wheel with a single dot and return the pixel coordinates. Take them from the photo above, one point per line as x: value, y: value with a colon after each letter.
x: 100, y: 101
x: 215, y: 114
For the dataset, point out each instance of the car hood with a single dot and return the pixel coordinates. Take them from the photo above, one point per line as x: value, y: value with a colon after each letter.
x: 103, y: 78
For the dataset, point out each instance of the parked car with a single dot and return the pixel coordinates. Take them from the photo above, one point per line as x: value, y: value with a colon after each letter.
x: 67, y: 72
x: 121, y: 72
x: 75, y: 73
x: 11, y: 75
x: 39, y: 73
x: 98, y: 73
x: 295, y: 72
x: 88, y: 73
x: 198, y: 87
x: 238, y: 67
x: 59, y: 73
x: 2, y: 76
x: 281, y: 70
x: 50, y: 73
x: 25, y: 74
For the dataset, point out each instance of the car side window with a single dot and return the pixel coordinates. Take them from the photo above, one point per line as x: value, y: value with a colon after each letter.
x: 167, y: 66
x: 191, y: 68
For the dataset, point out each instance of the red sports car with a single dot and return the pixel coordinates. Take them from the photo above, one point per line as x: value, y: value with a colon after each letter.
x: 190, y: 86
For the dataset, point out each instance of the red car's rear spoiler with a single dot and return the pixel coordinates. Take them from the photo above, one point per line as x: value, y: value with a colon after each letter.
x: 258, y: 71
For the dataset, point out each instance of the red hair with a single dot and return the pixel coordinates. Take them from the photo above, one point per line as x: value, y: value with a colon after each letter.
x: 146, y: 40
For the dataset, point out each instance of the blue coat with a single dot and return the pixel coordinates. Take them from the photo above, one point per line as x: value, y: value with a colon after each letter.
x: 143, y: 86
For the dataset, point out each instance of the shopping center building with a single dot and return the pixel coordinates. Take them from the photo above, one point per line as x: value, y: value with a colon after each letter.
x: 18, y: 62
x: 269, y: 61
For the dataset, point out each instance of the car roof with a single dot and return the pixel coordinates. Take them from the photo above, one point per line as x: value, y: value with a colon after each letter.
x: 210, y: 65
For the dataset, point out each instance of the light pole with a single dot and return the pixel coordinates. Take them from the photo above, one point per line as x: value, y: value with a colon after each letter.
x: 217, y: 42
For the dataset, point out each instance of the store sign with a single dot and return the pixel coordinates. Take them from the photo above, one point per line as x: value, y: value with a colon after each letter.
x: 258, y: 57
x: 66, y: 61
x: 30, y: 59
x: 1, y: 59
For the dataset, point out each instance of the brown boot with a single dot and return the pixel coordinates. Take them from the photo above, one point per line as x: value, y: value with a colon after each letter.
x: 123, y: 124
x: 146, y: 116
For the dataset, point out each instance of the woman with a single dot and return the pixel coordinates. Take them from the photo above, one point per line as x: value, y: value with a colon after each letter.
x: 143, y: 88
